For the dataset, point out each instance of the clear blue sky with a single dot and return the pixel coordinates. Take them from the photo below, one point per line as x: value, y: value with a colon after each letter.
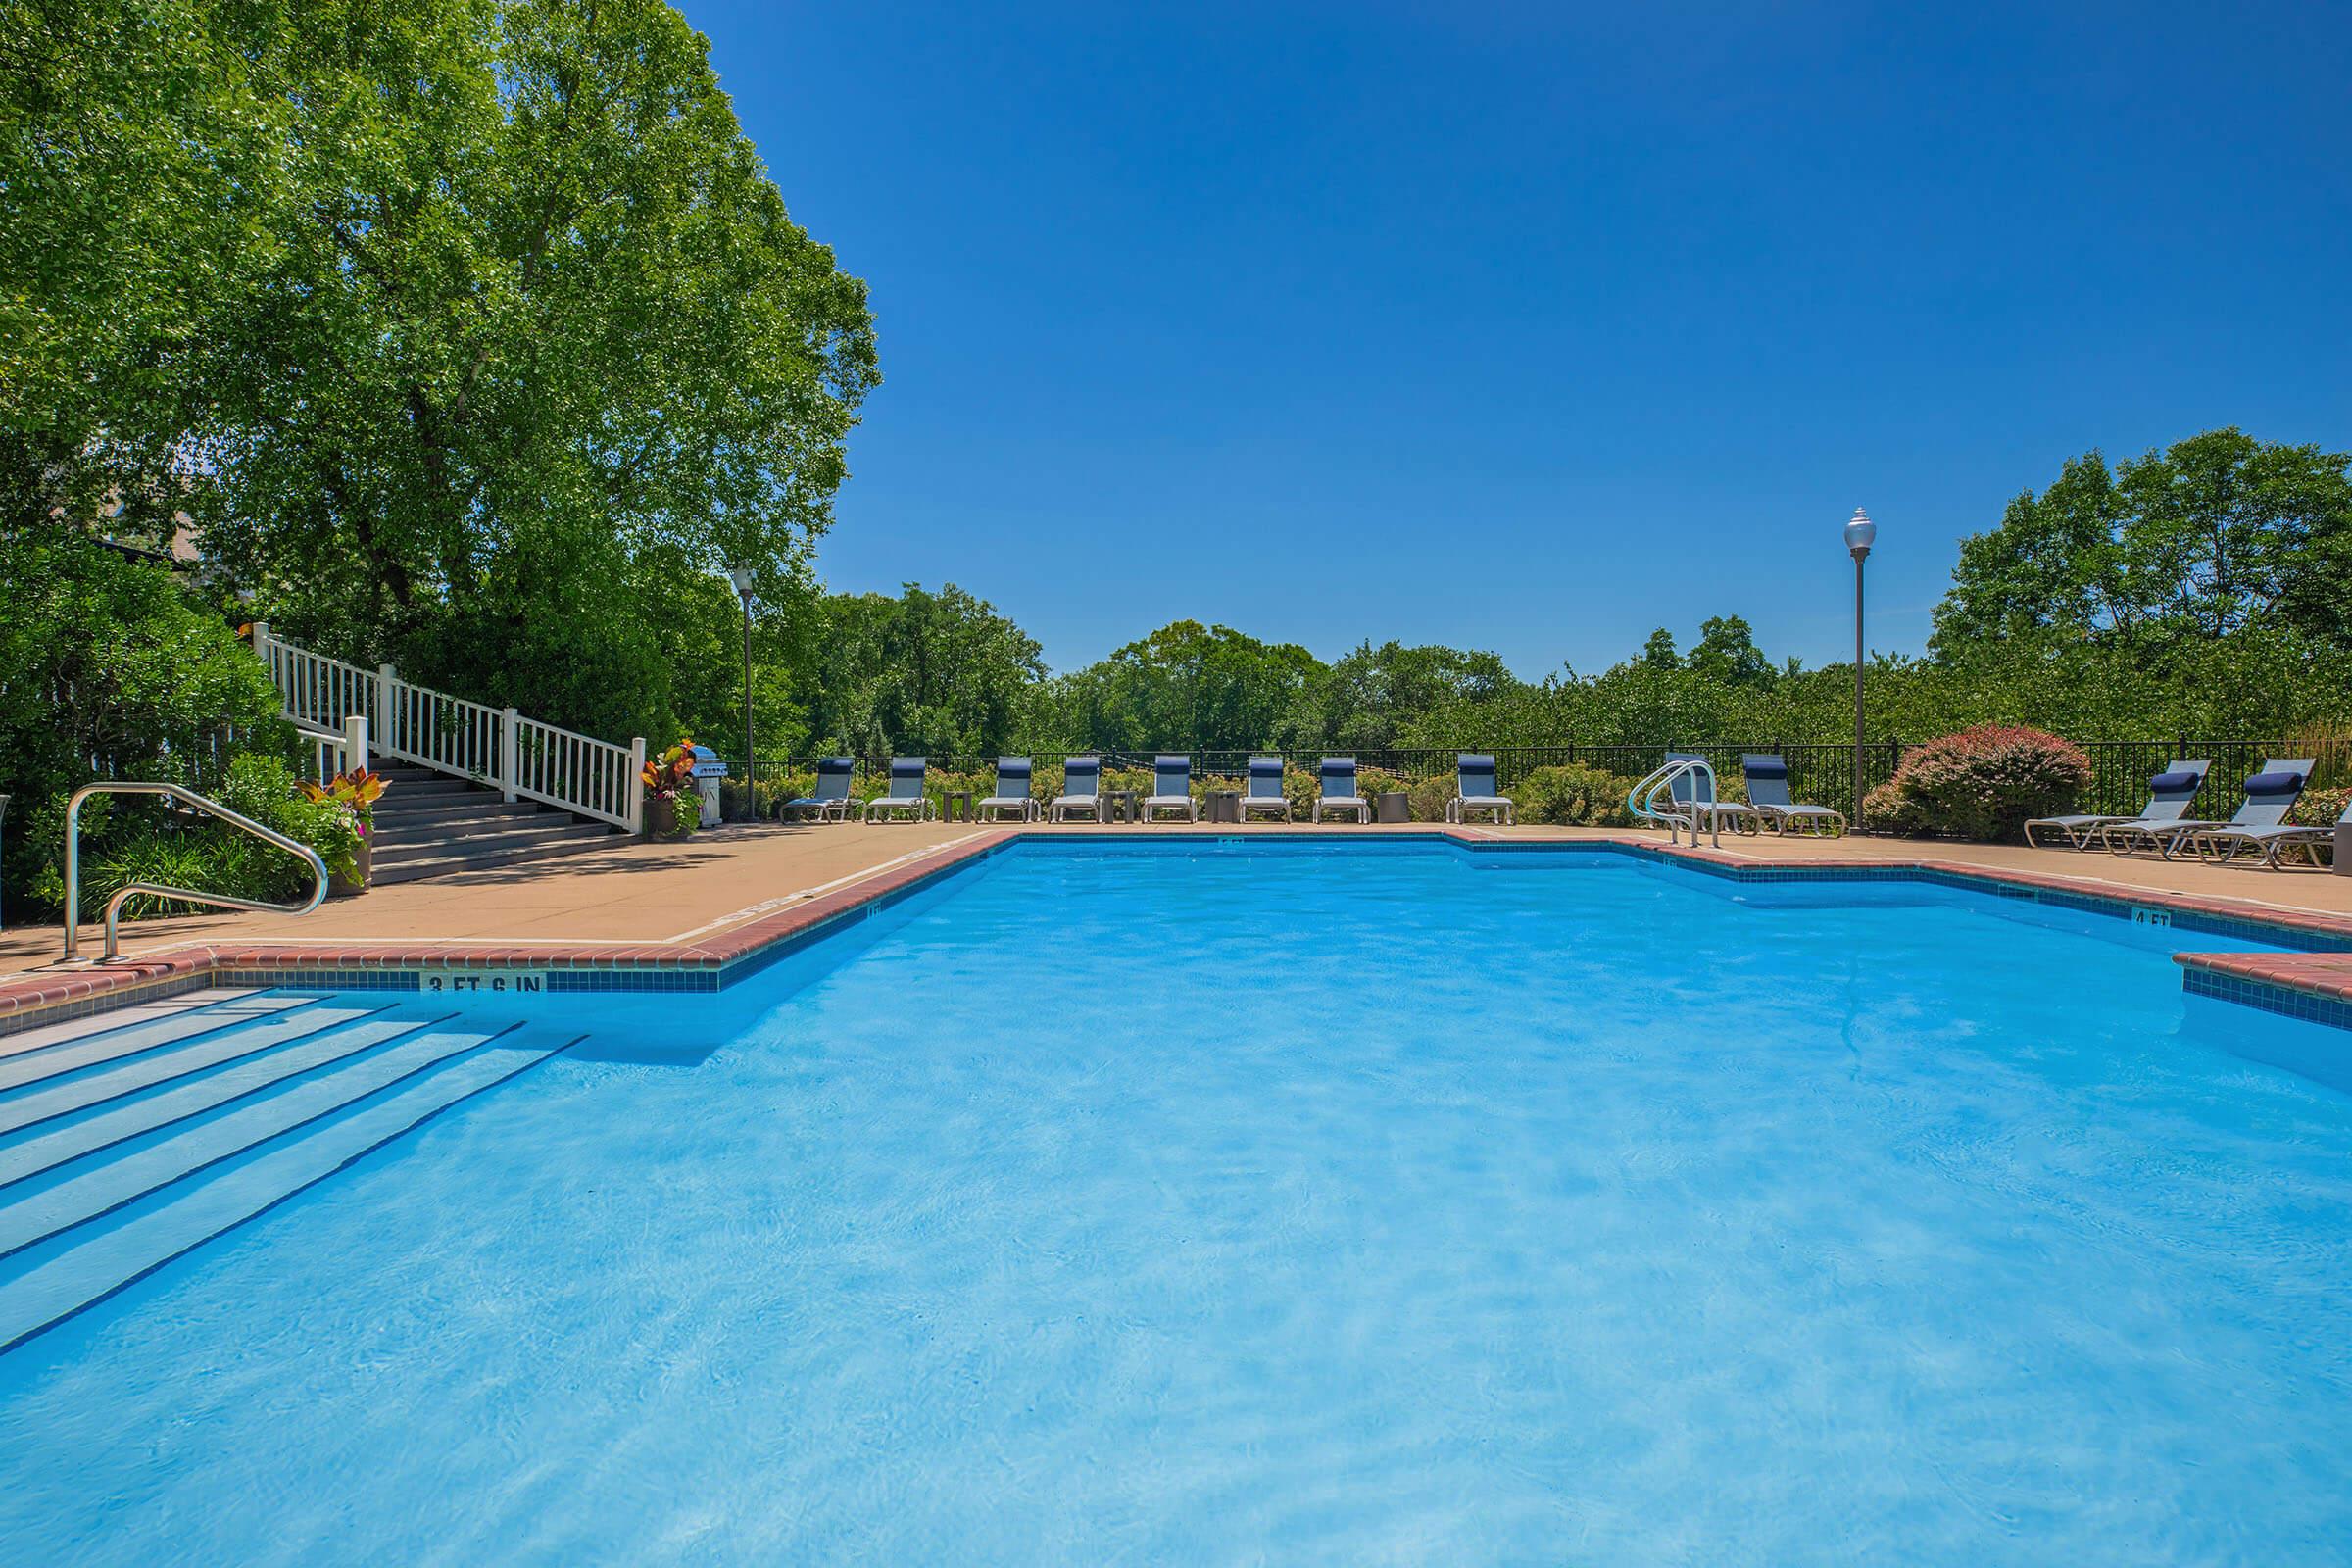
x: 1534, y: 328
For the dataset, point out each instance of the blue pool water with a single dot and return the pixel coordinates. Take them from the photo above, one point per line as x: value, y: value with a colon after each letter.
x: 1398, y: 1205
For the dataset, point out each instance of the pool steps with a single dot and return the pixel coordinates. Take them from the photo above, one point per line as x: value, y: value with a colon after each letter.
x: 55, y: 1050
x: 80, y: 1088
x: 131, y: 1143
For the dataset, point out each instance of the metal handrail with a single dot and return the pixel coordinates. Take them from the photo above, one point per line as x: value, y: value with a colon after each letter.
x: 187, y: 796
x: 1642, y: 800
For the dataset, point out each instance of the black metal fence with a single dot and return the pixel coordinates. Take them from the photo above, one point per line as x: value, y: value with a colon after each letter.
x: 1820, y: 773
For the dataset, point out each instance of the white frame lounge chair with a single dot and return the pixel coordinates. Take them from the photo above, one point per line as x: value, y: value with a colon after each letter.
x: 1473, y: 768
x: 2171, y: 793
x: 1088, y: 801
x: 2271, y: 792
x: 1262, y: 791
x: 831, y: 802
x: 1767, y: 774
x: 1166, y: 770
x: 1011, y: 772
x: 1339, y: 771
x: 910, y: 781
x: 1729, y: 814
x: 2223, y: 846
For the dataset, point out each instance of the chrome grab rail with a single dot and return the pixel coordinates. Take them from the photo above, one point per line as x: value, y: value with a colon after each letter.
x: 1643, y: 801
x: 113, y: 906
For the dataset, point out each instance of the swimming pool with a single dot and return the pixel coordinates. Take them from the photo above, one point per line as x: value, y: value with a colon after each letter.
x: 1380, y: 1203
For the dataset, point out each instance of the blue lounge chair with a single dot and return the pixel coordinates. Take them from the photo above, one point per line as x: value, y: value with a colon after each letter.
x: 2223, y: 846
x: 831, y: 802
x: 1474, y: 790
x: 1081, y: 789
x: 907, y: 800
x: 1171, y: 788
x: 1264, y: 795
x: 1694, y: 793
x: 1768, y: 795
x: 2170, y: 794
x: 2270, y: 795
x: 1012, y: 792
x: 1337, y: 790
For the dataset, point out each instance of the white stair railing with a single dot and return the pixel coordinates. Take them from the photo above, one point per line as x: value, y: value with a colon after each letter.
x: 520, y: 757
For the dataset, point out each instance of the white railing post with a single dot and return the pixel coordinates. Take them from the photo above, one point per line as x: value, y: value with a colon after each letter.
x: 355, y: 743
x: 387, y: 731
x: 634, y: 791
x: 509, y: 759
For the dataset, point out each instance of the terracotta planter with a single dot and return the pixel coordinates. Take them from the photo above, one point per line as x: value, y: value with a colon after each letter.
x: 362, y: 867
x: 668, y: 818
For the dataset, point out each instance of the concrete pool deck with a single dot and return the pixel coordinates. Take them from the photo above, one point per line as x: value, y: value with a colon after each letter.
x: 722, y: 895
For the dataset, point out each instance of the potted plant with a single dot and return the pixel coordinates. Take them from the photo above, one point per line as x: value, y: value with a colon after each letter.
x: 672, y: 806
x: 350, y: 853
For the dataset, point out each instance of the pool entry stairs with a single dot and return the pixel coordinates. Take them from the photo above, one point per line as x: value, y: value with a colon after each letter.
x: 131, y: 1137
x: 428, y: 825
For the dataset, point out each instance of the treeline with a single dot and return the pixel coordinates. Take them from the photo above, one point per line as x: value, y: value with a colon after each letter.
x: 2202, y: 589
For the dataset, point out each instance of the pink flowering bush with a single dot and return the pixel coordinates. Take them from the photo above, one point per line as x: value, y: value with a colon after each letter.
x: 1983, y: 783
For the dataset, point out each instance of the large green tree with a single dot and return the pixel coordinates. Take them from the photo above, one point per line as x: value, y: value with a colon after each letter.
x: 473, y: 334
x: 2211, y: 536
x: 931, y: 672
x: 1192, y: 686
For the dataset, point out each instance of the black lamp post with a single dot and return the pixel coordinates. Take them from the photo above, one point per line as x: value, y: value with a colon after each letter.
x: 1860, y: 533
x: 742, y: 580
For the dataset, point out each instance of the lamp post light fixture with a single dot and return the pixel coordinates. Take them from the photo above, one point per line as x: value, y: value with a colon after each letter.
x: 1860, y: 534
x: 742, y: 579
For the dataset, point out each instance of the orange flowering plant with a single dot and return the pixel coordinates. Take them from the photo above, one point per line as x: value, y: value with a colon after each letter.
x: 357, y: 792
x: 671, y: 775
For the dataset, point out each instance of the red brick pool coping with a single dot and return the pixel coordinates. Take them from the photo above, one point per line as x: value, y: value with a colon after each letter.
x: 66, y: 992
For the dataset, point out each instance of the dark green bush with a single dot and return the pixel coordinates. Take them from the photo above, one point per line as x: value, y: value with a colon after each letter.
x: 110, y: 667
x: 1574, y: 795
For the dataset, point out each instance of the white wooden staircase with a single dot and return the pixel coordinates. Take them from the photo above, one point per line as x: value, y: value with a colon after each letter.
x: 468, y: 786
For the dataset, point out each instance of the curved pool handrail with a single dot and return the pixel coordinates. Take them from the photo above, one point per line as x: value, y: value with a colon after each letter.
x: 1642, y: 799
x: 225, y: 900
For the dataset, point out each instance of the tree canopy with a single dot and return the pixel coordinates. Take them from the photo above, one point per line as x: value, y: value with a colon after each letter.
x: 2216, y: 535
x: 470, y: 335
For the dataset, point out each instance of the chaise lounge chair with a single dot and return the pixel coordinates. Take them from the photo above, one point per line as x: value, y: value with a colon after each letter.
x: 2270, y: 795
x: 1264, y: 795
x: 1012, y: 792
x: 1081, y: 789
x: 1695, y: 794
x: 2223, y: 846
x: 1474, y: 790
x: 1171, y: 788
x: 1338, y: 790
x: 2169, y: 794
x: 907, y: 800
x: 831, y: 802
x: 1768, y: 797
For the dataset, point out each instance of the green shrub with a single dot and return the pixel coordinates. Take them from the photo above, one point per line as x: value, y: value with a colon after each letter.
x: 110, y: 667
x: 1983, y: 784
x: 2321, y: 808
x: 1574, y: 795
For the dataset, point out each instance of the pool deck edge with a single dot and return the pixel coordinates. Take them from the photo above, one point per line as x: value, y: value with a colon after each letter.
x: 2306, y: 984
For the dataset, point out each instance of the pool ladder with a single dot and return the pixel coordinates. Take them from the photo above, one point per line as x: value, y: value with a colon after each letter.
x: 1643, y: 801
